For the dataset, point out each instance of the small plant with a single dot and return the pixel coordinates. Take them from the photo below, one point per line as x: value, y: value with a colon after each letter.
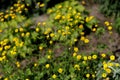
x: 117, y: 25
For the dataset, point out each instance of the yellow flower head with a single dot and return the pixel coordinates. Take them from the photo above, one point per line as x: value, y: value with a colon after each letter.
x: 81, y: 26
x: 76, y: 49
x: 94, y: 56
x: 77, y: 67
x: 85, y: 58
x: 108, y: 70
x: 82, y: 38
x: 109, y: 28
x: 54, y: 76
x: 21, y: 29
x: 112, y: 57
x: 37, y: 29
x: 52, y: 35
x: 94, y: 29
x: 86, y: 41
x: 35, y: 64
x: 103, y: 55
x: 107, y: 23
x: 16, y: 30
x: 40, y: 48
x: 74, y: 54
x: 87, y: 75
x: 49, y: 56
x: 104, y: 75
x: 93, y: 75
x: 60, y: 70
x: 79, y: 57
x: 47, y: 66
x: 89, y: 57
x: 105, y: 66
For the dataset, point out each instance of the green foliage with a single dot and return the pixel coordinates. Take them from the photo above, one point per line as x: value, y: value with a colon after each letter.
x: 50, y: 50
x: 117, y: 25
x: 109, y: 7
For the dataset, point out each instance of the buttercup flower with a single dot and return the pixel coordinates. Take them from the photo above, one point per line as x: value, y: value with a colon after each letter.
x: 79, y: 57
x: 112, y: 57
x: 87, y: 75
x: 54, y: 76
x: 47, y: 66
x: 76, y: 49
x: 104, y: 75
x: 60, y: 70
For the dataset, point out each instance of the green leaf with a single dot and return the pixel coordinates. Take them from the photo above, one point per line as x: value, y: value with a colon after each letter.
x: 28, y: 71
x: 42, y: 60
x: 28, y: 2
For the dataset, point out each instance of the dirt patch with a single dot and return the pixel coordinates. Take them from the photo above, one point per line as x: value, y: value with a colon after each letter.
x: 40, y: 18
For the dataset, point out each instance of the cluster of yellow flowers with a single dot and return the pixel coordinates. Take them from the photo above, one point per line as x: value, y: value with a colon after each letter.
x: 109, y: 26
x: 11, y: 13
x: 107, y: 66
x: 39, y: 5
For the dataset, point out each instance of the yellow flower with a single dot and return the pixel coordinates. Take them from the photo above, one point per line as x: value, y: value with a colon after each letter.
x: 83, y: 2
x: 1, y: 48
x: 77, y: 67
x: 87, y: 75
x: 26, y: 79
x: 51, y: 42
x: 107, y: 23
x: 82, y: 38
x: 117, y: 64
x: 86, y: 41
x: 94, y: 56
x: 81, y: 26
x: 50, y: 11
x: 93, y: 75
x: 110, y: 64
x: 37, y: 29
x: 94, y: 29
x: 108, y: 70
x: 1, y: 30
x: 16, y: 30
x: 76, y: 49
x: 105, y: 66
x: 75, y: 40
x: 84, y: 62
x: 52, y: 35
x: 40, y: 48
x: 42, y: 5
x: 49, y: 56
x: 22, y: 34
x: 18, y: 64
x: 103, y: 55
x: 109, y: 27
x: 21, y: 29
x: 60, y: 70
x: 47, y: 66
x: 112, y: 57
x: 57, y: 16
x: 38, y: 23
x: 89, y: 57
x: 85, y: 58
x: 104, y: 75
x: 54, y: 76
x: 79, y: 57
x: 28, y: 34
x: 6, y: 79
x: 43, y: 23
x: 74, y: 54
x: 35, y: 64
x: 107, y: 78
